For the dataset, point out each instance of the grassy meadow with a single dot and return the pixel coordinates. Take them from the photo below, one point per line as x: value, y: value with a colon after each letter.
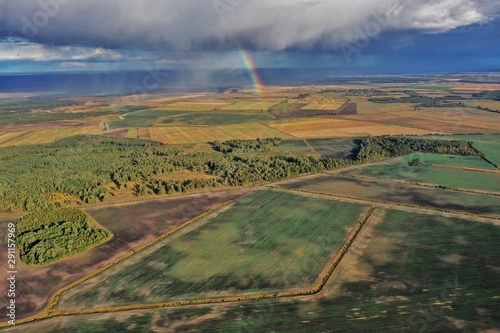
x: 267, y: 241
x: 489, y: 145
x: 428, y: 172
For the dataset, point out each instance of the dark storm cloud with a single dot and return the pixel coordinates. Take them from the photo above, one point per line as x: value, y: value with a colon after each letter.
x: 217, y: 24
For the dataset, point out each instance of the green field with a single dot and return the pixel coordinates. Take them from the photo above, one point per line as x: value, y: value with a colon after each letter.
x: 298, y: 146
x: 267, y: 241
x: 206, y: 118
x: 132, y: 133
x: 336, y: 148
x: 399, y: 169
x: 473, y: 162
x: 416, y: 273
x: 489, y: 145
x: 398, y: 194
x: 142, y: 118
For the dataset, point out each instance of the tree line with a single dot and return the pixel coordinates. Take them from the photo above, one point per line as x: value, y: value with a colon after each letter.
x: 82, y: 168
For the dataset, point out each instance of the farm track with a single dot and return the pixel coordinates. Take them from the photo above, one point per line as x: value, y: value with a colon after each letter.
x: 387, y: 204
x: 51, y: 310
x: 465, y: 169
x: 311, y: 148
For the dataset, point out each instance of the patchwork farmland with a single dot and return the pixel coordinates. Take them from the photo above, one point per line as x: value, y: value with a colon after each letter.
x: 396, y: 243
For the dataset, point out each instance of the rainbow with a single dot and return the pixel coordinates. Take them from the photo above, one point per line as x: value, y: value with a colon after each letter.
x: 252, y: 71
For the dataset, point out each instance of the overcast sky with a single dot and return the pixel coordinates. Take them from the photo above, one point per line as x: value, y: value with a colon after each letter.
x: 379, y: 35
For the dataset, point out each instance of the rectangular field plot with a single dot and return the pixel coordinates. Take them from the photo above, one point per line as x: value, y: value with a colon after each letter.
x: 437, y: 199
x: 338, y: 127
x: 336, y: 147
x: 44, y: 135
x: 142, y: 118
x: 267, y: 241
x: 470, y: 173
x: 298, y: 146
x: 200, y: 134
x: 251, y: 105
x: 209, y: 118
x: 418, y: 266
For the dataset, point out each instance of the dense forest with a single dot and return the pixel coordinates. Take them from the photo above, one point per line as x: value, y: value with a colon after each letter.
x: 374, y: 148
x: 80, y: 170
x: 45, y: 237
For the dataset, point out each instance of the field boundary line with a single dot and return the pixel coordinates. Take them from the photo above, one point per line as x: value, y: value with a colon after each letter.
x: 490, y: 162
x: 439, y: 166
x: 278, y: 130
x: 341, y: 107
x: 52, y: 312
x: 387, y: 203
x: 419, y: 184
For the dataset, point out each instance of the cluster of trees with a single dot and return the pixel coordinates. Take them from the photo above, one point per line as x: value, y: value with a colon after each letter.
x: 247, y: 146
x: 162, y: 187
x: 416, y: 162
x: 484, y: 108
x: 375, y: 148
x: 48, y: 236
x: 487, y: 95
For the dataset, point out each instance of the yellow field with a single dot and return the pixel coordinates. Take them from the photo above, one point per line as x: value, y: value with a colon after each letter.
x: 251, y: 105
x: 201, y: 134
x: 192, y: 106
x: 43, y: 135
x: 462, y: 120
x: 325, y: 127
x: 132, y: 132
x: 443, y: 120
